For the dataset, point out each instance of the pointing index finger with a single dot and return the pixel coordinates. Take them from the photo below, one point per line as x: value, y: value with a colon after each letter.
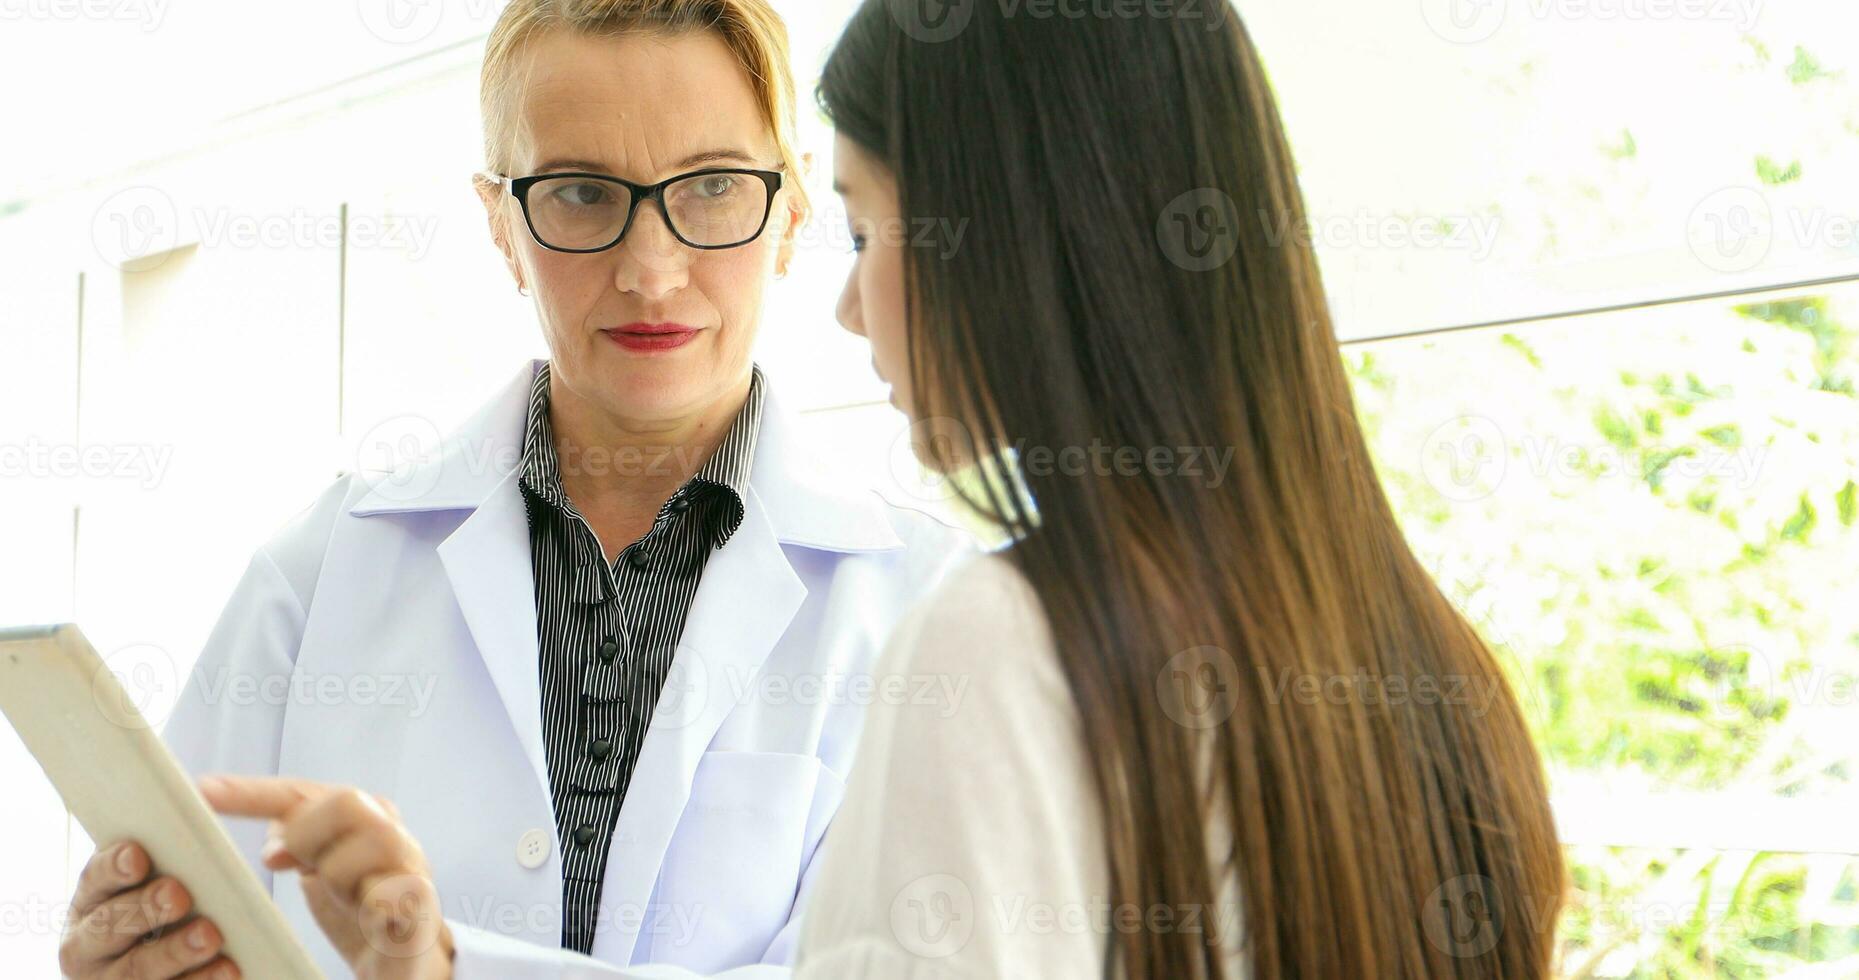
x: 258, y: 796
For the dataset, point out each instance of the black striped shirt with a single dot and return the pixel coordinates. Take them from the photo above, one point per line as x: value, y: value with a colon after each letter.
x: 607, y: 633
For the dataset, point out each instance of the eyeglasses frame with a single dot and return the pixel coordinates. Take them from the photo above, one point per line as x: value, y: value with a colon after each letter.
x: 519, y: 189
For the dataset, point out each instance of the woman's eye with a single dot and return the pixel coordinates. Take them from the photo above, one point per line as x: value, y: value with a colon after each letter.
x: 586, y: 194
x: 716, y: 185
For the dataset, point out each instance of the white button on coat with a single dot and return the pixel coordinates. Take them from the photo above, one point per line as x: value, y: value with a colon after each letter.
x: 532, y: 849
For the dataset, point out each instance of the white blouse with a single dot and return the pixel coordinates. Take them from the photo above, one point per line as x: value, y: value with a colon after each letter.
x: 970, y: 843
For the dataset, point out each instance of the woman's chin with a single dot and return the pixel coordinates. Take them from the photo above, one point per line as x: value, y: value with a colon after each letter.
x: 659, y: 388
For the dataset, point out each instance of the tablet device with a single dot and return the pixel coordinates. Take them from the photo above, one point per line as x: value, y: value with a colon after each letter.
x: 119, y: 779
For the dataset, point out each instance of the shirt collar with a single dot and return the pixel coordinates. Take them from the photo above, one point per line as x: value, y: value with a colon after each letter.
x: 725, y: 473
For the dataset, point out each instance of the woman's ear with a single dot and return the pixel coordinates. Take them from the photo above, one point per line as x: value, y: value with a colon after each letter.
x: 491, y: 193
x: 796, y: 218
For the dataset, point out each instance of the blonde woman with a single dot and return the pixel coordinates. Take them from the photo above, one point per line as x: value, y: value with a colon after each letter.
x: 593, y: 777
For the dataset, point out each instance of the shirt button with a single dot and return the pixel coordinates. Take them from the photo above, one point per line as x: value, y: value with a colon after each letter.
x: 583, y: 834
x: 680, y: 505
x: 640, y: 559
x: 608, y: 650
x: 532, y: 849
x: 600, y: 749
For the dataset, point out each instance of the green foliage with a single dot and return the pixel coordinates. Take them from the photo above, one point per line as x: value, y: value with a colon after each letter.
x: 1517, y: 344
x: 1833, y: 346
x: 1805, y: 68
x: 1667, y: 562
x: 1625, y: 149
x: 1773, y: 173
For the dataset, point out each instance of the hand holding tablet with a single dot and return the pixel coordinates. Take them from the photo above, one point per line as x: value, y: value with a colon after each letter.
x: 125, y: 922
x: 121, y: 782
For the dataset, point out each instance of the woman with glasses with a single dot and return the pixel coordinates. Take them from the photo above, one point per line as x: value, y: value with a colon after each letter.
x: 628, y: 588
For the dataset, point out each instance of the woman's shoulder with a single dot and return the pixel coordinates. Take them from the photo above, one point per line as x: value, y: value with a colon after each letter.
x: 972, y: 799
x: 983, y: 623
x: 299, y: 546
x: 987, y: 583
x: 984, y: 595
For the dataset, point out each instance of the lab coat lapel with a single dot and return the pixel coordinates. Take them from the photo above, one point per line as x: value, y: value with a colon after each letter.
x: 486, y: 558
x: 748, y: 596
x: 488, y: 562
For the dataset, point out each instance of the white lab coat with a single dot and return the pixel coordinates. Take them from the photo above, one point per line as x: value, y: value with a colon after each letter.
x: 386, y: 638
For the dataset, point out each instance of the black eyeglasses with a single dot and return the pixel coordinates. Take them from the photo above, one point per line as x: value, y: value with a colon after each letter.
x: 715, y: 208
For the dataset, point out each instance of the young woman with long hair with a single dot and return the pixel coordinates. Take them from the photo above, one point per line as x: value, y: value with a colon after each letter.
x: 1152, y: 730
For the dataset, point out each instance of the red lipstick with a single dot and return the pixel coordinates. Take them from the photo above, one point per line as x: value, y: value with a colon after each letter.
x: 646, y: 338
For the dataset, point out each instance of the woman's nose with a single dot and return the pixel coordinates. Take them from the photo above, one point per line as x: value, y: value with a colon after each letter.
x: 651, y: 260
x: 847, y: 312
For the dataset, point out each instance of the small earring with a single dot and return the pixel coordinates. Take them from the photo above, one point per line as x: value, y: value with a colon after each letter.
x: 522, y: 290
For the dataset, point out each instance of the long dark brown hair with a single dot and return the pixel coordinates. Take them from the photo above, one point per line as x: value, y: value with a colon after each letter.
x: 1369, y: 836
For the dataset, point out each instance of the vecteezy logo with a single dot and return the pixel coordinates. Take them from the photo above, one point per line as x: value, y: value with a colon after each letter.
x: 1458, y: 917
x: 934, y: 916
x: 400, y: 21
x: 932, y: 21
x: 924, y: 451
x: 136, y: 226
x: 1199, y: 231
x: 398, y: 918
x: 1199, y: 687
x: 135, y: 686
x: 1465, y: 458
x: 1739, y: 682
x: 1464, y: 21
x: 391, y: 458
x: 1732, y: 230
x: 682, y: 697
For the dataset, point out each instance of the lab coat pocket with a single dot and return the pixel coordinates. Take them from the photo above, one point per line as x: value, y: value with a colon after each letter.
x: 734, y: 864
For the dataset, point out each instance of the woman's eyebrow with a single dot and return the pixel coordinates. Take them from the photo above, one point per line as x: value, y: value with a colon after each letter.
x: 720, y: 155
x: 588, y: 165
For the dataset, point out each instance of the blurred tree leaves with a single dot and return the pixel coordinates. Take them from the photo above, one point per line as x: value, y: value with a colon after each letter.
x: 1667, y: 560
